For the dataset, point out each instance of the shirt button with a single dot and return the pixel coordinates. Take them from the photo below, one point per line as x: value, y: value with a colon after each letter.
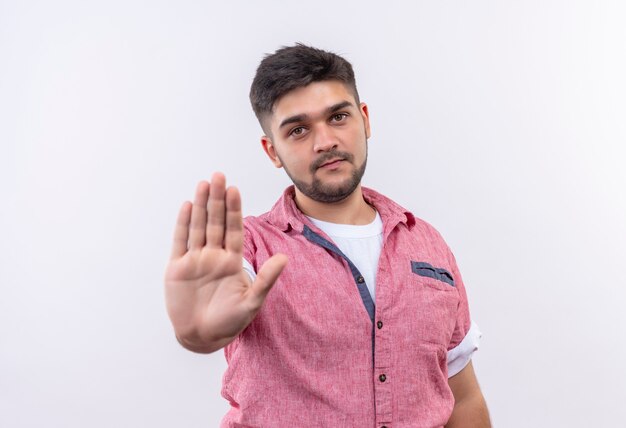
x: 382, y: 378
x: 360, y: 279
x: 379, y: 324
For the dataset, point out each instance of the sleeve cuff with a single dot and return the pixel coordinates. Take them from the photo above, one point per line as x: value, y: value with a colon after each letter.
x: 247, y: 266
x: 459, y: 356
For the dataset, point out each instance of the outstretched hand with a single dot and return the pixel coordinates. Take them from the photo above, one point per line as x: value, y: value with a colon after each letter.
x: 210, y: 298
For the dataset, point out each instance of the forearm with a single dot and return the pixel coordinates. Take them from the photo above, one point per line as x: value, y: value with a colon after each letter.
x: 470, y: 412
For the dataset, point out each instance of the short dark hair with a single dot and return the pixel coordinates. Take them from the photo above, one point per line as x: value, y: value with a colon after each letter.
x: 292, y: 67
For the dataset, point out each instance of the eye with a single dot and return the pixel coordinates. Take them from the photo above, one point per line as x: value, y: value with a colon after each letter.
x: 297, y: 131
x: 338, y: 117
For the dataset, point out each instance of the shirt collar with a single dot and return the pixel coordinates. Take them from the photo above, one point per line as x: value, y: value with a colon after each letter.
x: 285, y: 214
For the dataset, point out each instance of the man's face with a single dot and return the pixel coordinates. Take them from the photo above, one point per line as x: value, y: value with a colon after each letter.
x: 319, y: 135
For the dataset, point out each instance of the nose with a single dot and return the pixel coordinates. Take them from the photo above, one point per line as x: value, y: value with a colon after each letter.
x: 325, y: 140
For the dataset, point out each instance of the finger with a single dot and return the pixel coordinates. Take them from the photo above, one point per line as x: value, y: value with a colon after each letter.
x: 181, y: 231
x: 198, y: 216
x: 217, y: 207
x: 233, y: 240
x: 266, y: 277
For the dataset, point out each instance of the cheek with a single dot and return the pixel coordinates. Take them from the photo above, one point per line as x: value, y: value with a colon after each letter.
x: 301, y: 165
x: 296, y: 163
x: 358, y: 134
x: 359, y: 141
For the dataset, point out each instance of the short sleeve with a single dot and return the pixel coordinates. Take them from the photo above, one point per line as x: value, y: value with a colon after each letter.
x: 463, y: 320
x: 459, y: 356
x: 466, y: 335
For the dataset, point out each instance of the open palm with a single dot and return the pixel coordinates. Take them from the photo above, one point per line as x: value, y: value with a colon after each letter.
x: 210, y: 298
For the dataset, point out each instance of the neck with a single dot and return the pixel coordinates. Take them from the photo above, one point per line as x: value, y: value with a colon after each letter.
x: 351, y: 210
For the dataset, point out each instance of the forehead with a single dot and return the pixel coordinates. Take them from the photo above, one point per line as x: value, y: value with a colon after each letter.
x: 311, y: 100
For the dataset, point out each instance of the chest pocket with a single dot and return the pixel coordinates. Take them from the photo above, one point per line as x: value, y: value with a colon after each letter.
x: 429, y: 271
x: 437, y: 301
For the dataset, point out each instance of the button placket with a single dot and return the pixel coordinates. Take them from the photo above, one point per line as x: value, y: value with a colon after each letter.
x: 382, y: 359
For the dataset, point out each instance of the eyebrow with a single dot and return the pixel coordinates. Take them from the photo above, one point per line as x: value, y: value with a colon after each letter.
x: 327, y: 111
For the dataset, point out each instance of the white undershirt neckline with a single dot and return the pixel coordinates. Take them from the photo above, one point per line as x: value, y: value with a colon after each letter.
x: 350, y: 230
x: 361, y: 244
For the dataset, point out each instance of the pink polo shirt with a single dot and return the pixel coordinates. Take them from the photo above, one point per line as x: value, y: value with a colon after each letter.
x: 321, y: 353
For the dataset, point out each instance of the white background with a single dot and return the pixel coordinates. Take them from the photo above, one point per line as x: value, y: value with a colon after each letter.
x: 502, y: 123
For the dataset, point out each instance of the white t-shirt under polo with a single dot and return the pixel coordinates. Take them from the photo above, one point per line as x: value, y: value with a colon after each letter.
x: 360, y: 243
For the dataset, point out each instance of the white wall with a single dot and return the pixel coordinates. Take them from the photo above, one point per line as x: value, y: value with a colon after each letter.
x: 502, y: 123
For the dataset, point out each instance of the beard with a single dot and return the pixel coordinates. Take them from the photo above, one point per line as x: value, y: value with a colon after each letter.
x: 327, y: 193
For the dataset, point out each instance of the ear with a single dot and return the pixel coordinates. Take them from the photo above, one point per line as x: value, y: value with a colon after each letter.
x: 366, y: 119
x: 268, y: 148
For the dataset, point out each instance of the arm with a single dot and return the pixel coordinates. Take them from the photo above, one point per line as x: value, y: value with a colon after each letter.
x: 210, y: 298
x: 470, y: 409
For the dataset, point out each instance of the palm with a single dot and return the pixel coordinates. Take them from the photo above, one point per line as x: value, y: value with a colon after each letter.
x: 207, y: 289
x: 199, y: 267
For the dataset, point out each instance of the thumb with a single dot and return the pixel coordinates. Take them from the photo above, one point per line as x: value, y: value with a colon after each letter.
x: 267, y: 276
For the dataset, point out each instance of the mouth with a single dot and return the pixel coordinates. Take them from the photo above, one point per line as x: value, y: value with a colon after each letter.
x: 331, y: 163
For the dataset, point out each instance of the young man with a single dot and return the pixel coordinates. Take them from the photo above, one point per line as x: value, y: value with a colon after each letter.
x: 367, y: 322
